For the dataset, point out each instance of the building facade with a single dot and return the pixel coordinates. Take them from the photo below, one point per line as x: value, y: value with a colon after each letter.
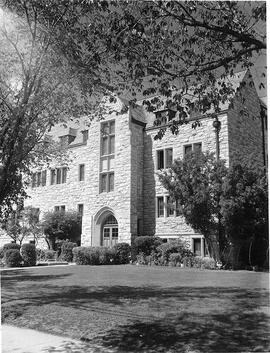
x: 112, y: 177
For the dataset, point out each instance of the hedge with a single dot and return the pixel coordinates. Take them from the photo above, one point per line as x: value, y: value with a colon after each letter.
x: 144, y: 244
x: 29, y: 255
x: 13, y: 258
x: 10, y: 246
x: 118, y: 254
x: 66, y: 251
x: 122, y: 253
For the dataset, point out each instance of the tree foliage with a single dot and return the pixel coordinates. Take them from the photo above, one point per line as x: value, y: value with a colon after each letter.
x: 37, y: 90
x: 61, y: 226
x: 227, y: 205
x: 64, y: 52
x: 23, y: 223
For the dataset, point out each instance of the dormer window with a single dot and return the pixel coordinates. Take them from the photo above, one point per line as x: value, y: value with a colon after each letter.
x: 85, y: 135
x: 163, y: 117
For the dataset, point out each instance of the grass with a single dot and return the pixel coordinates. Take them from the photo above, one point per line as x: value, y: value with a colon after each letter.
x: 142, y: 309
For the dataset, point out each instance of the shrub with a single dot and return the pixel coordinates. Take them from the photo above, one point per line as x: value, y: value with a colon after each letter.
x: 41, y: 254
x: 145, y: 245
x: 92, y: 255
x: 79, y: 255
x: 204, y: 263
x: 10, y: 246
x: 107, y: 256
x: 29, y: 255
x: 122, y: 253
x: 50, y: 255
x: 177, y: 246
x: 66, y: 251
x: 175, y: 259
x: 141, y: 259
x: 13, y: 258
x: 188, y: 261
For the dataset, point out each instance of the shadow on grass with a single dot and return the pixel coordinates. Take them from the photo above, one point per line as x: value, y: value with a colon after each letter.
x: 156, y: 319
x: 215, y: 333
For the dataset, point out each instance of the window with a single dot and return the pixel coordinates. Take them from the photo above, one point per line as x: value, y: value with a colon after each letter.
x: 85, y: 135
x: 107, y: 156
x: 81, y: 172
x: 39, y: 179
x: 53, y: 176
x: 163, y: 117
x: 170, y: 207
x: 166, y: 207
x: 80, y: 209
x: 61, y: 208
x: 43, y: 177
x: 164, y: 158
x: 160, y: 206
x: 195, y: 147
x: 59, y: 175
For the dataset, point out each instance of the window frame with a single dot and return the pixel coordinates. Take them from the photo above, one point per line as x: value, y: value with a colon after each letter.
x: 81, y: 172
x: 108, y: 173
x: 58, y: 176
x: 163, y: 151
x: 192, y: 145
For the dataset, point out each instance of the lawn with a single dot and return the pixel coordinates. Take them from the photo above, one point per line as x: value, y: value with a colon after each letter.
x: 142, y: 309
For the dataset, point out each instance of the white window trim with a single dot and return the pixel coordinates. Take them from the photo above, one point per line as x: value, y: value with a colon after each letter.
x: 165, y: 208
x: 165, y: 156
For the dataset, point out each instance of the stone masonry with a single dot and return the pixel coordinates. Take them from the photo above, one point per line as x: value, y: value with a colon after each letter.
x: 133, y: 202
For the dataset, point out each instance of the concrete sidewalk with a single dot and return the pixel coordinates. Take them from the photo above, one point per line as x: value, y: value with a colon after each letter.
x: 21, y: 340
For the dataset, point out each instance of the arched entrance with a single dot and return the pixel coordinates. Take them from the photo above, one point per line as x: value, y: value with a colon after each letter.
x: 105, y: 228
x: 109, y: 231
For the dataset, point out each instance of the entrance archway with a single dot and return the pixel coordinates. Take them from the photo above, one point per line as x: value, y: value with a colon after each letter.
x: 105, y: 228
x: 109, y: 231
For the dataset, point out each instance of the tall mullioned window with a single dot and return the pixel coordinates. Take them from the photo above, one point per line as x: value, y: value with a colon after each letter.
x: 39, y: 179
x: 164, y: 158
x: 58, y: 176
x: 107, y: 156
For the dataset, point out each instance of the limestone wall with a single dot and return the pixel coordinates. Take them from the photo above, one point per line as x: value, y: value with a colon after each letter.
x: 204, y: 134
x: 245, y: 127
x: 87, y: 192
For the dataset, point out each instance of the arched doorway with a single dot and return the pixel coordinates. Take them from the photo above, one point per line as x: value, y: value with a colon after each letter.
x: 109, y: 231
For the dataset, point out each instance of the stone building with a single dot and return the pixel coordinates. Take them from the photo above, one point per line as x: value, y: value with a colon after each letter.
x: 112, y: 177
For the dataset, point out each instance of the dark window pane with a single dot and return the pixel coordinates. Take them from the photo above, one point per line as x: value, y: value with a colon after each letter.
x: 111, y: 147
x: 160, y: 207
x: 85, y: 135
x: 44, y: 177
x: 62, y: 208
x: 111, y: 181
x: 104, y: 147
x: 34, y: 180
x: 80, y: 209
x: 197, y: 247
x: 187, y: 149
x: 64, y: 175
x: 170, y: 207
x: 53, y: 176
x: 197, y: 147
x: 81, y: 172
x: 103, y: 183
x: 169, y: 157
x: 112, y: 127
x: 58, y: 176
x: 160, y: 159
x: 56, y: 208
